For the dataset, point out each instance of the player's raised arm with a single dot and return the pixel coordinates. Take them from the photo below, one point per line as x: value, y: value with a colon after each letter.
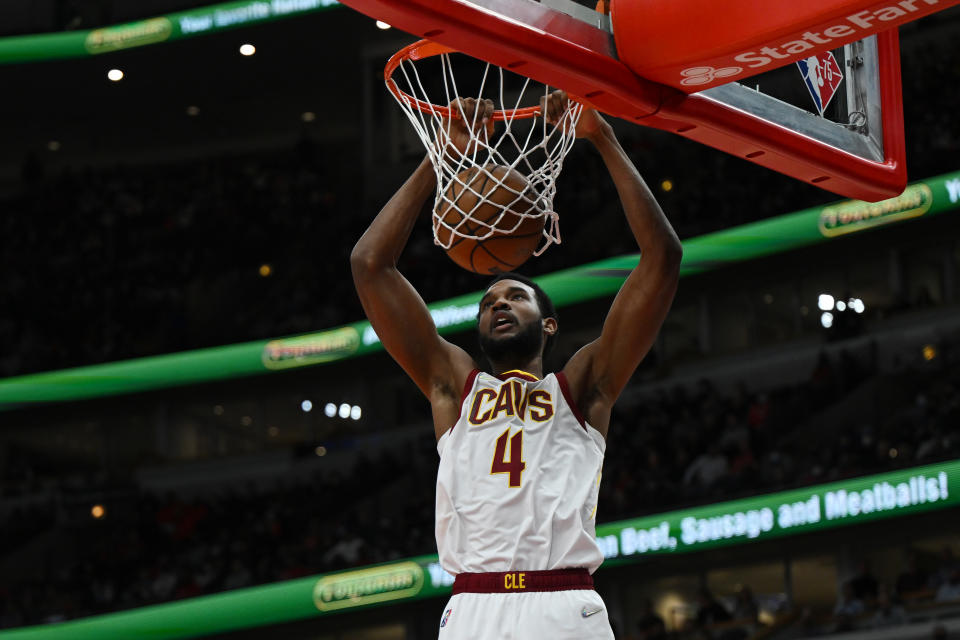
x: 395, y: 309
x: 600, y: 370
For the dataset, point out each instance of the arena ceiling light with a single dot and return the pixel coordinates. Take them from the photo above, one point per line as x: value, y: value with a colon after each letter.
x: 825, y: 302
x: 247, y: 49
x: 345, y: 411
x: 826, y: 319
x: 306, y: 406
x: 382, y: 25
x: 330, y: 409
x: 355, y: 412
x: 115, y: 75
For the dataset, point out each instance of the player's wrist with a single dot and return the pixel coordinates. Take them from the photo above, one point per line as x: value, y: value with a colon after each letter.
x: 600, y: 134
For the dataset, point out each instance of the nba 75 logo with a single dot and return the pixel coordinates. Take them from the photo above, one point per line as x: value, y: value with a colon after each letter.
x: 446, y: 615
x: 822, y: 75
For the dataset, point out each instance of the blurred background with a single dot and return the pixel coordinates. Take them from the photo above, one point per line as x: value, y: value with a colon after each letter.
x: 211, y: 197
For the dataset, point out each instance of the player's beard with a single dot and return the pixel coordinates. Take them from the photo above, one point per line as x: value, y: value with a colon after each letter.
x: 524, y: 344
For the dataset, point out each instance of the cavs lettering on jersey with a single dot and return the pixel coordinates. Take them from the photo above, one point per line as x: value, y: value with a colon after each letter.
x: 518, y: 480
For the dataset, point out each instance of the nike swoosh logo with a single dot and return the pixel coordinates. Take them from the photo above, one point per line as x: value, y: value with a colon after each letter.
x: 586, y: 613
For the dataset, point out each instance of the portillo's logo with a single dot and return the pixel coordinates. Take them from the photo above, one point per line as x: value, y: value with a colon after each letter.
x: 311, y: 349
x: 125, y: 36
x: 849, y: 217
x: 368, y: 586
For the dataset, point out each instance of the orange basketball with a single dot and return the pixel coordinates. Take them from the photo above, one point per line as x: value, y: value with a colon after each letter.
x: 503, y: 192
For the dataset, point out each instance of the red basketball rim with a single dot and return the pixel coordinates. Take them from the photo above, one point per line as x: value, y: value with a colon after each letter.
x: 426, y: 49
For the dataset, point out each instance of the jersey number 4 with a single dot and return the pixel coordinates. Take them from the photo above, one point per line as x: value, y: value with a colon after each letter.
x: 515, y: 464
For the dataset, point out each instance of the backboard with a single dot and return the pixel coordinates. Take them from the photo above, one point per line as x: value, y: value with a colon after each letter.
x: 670, y: 66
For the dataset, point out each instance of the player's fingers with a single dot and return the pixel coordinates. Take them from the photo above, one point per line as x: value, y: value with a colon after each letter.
x: 558, y: 105
x: 549, y: 110
x: 543, y: 107
x: 486, y: 107
x: 477, y: 114
x: 470, y: 111
x: 456, y: 114
x: 464, y: 108
x: 487, y: 116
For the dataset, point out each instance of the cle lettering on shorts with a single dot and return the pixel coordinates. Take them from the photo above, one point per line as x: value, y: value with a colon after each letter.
x: 514, y: 580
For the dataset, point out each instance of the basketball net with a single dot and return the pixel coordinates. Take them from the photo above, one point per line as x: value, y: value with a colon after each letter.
x: 522, y: 140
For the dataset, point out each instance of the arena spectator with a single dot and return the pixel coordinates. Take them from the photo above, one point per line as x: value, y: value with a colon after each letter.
x: 864, y: 584
x: 949, y: 591
x: 913, y: 578
x: 707, y: 468
x: 848, y: 607
x: 650, y: 626
x: 889, y: 612
x: 709, y: 609
x: 745, y: 605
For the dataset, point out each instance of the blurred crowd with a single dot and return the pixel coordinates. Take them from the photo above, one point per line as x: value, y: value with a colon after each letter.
x: 694, y: 446
x: 927, y: 586
x: 150, y: 549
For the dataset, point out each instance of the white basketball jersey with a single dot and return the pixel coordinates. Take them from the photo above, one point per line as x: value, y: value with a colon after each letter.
x: 519, y: 478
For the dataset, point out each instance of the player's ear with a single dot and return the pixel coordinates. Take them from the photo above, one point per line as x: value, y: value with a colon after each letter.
x: 550, y: 326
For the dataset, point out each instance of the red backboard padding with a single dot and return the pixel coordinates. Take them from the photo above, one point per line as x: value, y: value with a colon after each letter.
x: 556, y: 49
x: 669, y: 42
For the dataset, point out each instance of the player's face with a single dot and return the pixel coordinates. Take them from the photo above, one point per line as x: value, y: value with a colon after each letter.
x: 510, y: 320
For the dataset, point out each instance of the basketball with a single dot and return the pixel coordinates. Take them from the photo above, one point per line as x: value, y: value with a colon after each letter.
x: 494, y: 195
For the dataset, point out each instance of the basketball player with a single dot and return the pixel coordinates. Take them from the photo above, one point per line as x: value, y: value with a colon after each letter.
x: 520, y: 452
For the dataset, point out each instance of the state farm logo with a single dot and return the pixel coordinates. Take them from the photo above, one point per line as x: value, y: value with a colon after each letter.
x: 809, y: 38
x: 703, y: 75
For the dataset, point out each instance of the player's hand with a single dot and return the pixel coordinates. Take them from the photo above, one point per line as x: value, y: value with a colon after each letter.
x: 557, y: 103
x: 474, y: 125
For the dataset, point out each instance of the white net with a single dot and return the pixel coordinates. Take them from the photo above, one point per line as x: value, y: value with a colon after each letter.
x: 504, y: 181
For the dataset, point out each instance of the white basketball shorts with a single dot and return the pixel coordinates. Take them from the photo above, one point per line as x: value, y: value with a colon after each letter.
x: 525, y: 605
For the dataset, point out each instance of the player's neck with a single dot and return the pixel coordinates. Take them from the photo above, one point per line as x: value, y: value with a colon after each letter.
x: 528, y: 365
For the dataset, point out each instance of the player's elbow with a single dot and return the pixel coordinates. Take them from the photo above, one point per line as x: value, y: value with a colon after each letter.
x: 670, y: 256
x: 674, y: 250
x: 363, y: 260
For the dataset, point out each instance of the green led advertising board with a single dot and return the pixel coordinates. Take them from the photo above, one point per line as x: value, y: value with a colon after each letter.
x: 166, y: 28
x: 805, y: 510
